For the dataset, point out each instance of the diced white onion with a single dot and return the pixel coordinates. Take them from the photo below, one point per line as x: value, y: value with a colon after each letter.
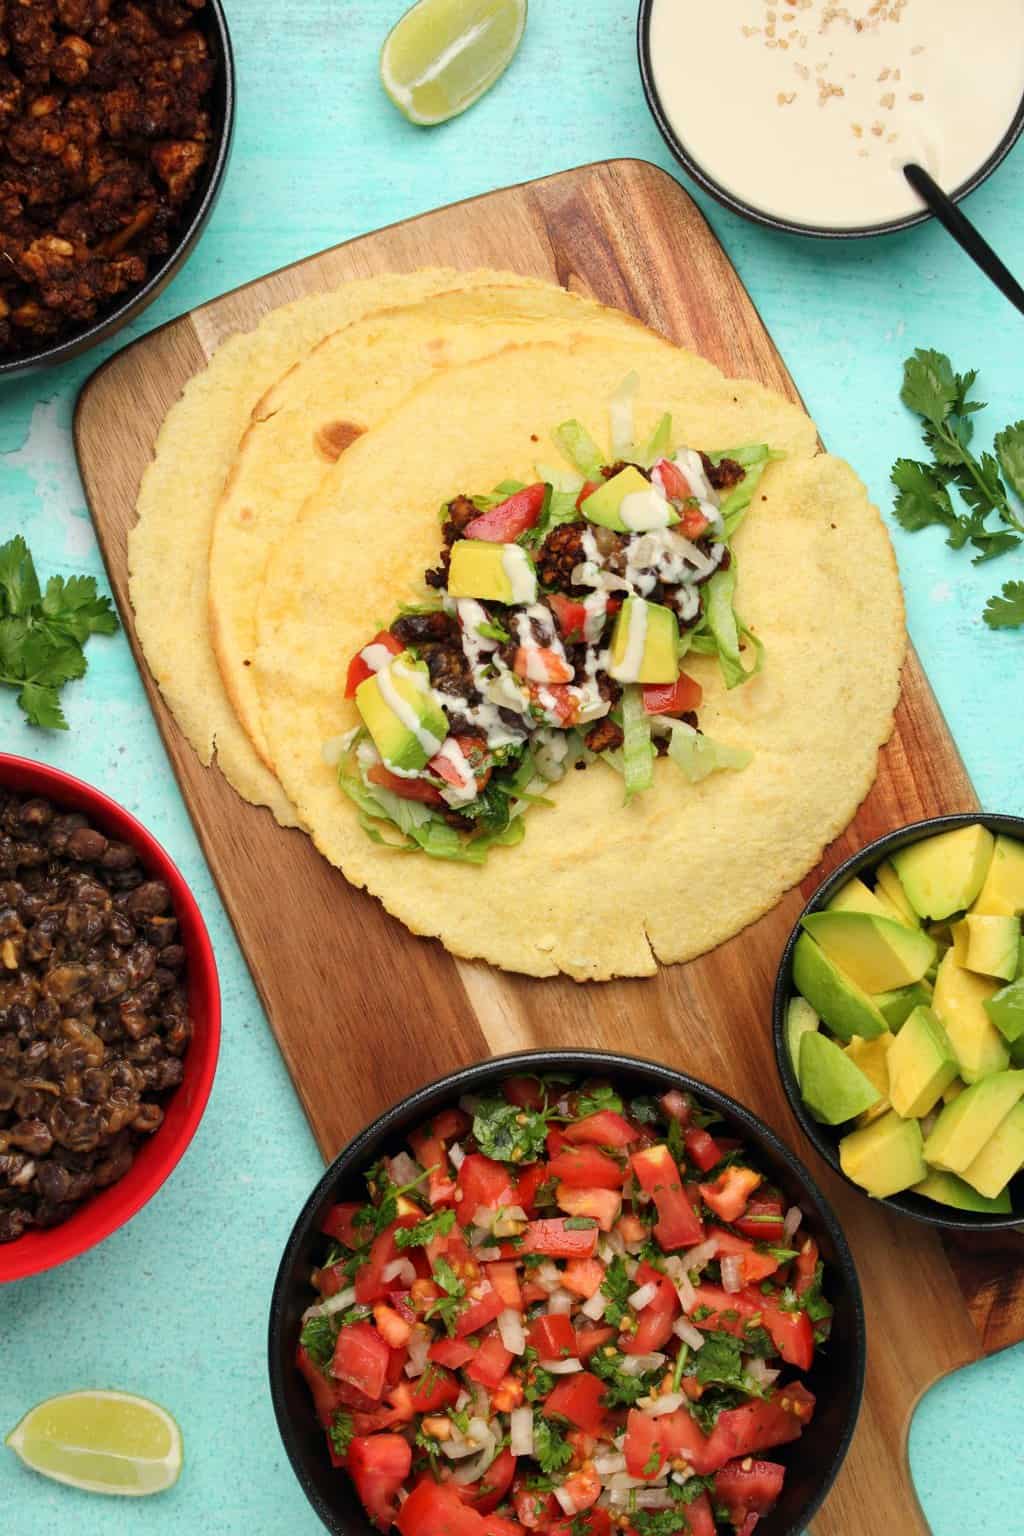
x: 666, y: 1404
x: 561, y: 1301
x: 513, y: 1336
x: 732, y: 1273
x: 398, y: 1269
x: 419, y: 1343
x: 461, y: 1400
x: 336, y: 1303
x: 604, y: 1466
x: 686, y: 1293
x: 688, y: 1333
x: 487, y: 1255
x: 609, y: 1246
x: 520, y: 1441
x: 561, y: 1367
x: 547, y: 1277
x: 594, y: 1306
x: 654, y: 1498
x: 481, y: 1405
x: 471, y: 1471
x: 643, y: 1295
x: 403, y: 1169
x: 621, y: 1481
x: 791, y: 1221
x: 639, y: 1365
x: 457, y: 1155
x: 696, y: 1258
x: 483, y: 1217
x: 566, y: 1500
x: 631, y: 1267
x: 758, y: 1370
x: 509, y: 1221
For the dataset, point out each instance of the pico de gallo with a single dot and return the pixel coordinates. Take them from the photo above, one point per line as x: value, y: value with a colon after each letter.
x: 562, y: 1312
x: 552, y: 634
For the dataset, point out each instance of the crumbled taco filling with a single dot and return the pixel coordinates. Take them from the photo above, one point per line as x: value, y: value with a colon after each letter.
x: 551, y: 634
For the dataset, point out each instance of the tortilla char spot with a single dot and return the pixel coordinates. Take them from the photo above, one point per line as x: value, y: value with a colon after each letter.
x: 245, y: 514
x: 333, y: 437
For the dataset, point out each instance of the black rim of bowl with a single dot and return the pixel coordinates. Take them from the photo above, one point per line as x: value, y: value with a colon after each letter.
x: 203, y: 203
x: 825, y: 1139
x: 750, y: 211
x: 466, y: 1079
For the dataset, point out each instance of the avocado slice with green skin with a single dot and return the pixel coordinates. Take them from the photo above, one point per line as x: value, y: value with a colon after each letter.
x: 800, y: 1019
x: 872, y: 1057
x: 1000, y: 1158
x: 831, y: 1085
x: 605, y: 505
x: 496, y: 573
x: 987, y: 944
x: 855, y: 896
x: 890, y: 885
x: 947, y: 1189
x: 897, y: 1006
x: 645, y: 643
x: 921, y: 1065
x: 943, y: 874
x: 884, y: 1158
x: 966, y: 1124
x: 877, y: 953
x: 959, y: 1000
x: 400, y: 712
x: 1003, y: 891
x: 1006, y: 1010
x: 843, y: 1006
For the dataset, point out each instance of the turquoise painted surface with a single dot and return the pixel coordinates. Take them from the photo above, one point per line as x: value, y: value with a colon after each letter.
x: 175, y: 1305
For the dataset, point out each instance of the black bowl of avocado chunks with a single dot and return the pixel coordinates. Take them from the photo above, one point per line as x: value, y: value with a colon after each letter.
x: 952, y: 1012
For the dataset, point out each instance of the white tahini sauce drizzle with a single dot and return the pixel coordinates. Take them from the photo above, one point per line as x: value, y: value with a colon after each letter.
x: 386, y: 679
x: 465, y: 791
x: 377, y: 657
x: 641, y: 510
x: 518, y: 567
x: 625, y: 671
x: 595, y: 608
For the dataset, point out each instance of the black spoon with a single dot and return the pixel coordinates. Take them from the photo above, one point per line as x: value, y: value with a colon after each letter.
x: 964, y: 233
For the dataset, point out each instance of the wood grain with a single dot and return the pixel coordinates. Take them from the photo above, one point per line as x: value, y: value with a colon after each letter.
x: 364, y: 1011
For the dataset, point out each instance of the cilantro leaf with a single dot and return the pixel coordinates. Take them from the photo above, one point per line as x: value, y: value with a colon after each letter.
x: 597, y: 1099
x: 1009, y: 446
x: 447, y: 1307
x: 1007, y: 610
x: 618, y: 1287
x: 19, y: 584
x: 658, y: 1522
x: 923, y: 498
x: 425, y: 1231
x: 621, y: 1391
x: 718, y: 1360
x: 318, y: 1338
x: 342, y: 1431
x: 550, y: 1449
x: 508, y: 1133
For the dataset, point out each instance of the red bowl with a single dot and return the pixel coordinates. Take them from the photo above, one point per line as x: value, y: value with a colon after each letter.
x: 104, y: 1212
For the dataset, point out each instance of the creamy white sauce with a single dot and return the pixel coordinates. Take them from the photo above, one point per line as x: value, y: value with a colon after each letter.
x: 641, y: 510
x: 401, y: 707
x: 376, y: 656
x: 518, y: 568
x: 595, y: 608
x: 809, y: 110
x: 465, y: 791
x: 689, y: 461
x: 538, y: 664
x: 625, y: 671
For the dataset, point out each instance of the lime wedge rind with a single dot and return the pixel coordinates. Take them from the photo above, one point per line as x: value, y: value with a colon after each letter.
x: 93, y: 1441
x: 443, y: 55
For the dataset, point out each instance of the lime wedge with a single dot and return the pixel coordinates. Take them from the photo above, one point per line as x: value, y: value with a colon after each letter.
x: 104, y: 1442
x: 443, y: 54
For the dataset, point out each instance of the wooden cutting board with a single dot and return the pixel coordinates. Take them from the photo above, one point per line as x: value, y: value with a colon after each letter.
x: 362, y: 1010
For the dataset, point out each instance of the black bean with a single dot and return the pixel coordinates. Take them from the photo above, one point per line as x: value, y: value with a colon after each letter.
x: 86, y: 845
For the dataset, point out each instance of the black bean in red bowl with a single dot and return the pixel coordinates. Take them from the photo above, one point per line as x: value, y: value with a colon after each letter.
x: 611, y: 1170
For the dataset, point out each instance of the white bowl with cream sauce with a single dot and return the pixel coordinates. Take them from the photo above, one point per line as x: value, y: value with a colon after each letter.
x: 802, y: 115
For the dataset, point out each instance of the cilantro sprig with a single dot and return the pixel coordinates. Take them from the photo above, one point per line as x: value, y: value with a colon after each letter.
x: 425, y: 1231
x: 42, y: 634
x: 550, y: 1449
x: 989, y: 485
x: 447, y: 1307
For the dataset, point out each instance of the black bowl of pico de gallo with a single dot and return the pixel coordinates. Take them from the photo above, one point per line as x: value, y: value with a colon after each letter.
x: 572, y: 1293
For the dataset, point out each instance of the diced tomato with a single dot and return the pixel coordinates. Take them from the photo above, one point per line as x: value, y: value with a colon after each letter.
x: 541, y: 664
x: 330, y: 1281
x: 501, y: 1525
x: 673, y: 481
x: 370, y: 1284
x: 452, y: 1248
x: 504, y: 523
x: 453, y: 1353
x: 490, y: 1362
x: 754, y: 1426
x: 583, y: 1277
x: 645, y: 1449
x: 379, y: 1466
x: 508, y: 1394
x: 477, y: 758
x: 601, y: 1205
x: 570, y: 616
x: 692, y: 523
x: 535, y: 1509
x: 631, y: 1228
x: 481, y: 1182
x: 678, y: 1225
x: 805, y: 1266
x: 589, y: 1339
x: 552, y: 1336
x: 762, y: 1220
x: 580, y: 1399
x: 756, y: 1266
x: 391, y: 1325
x: 529, y: 1182
x: 603, y: 1129
x: 533, y: 1292
x: 526, y: 1092
x: 505, y: 1281
x: 359, y: 671
x: 552, y: 1238
x: 583, y: 1487
x: 791, y: 1333
x: 435, y: 1509
x: 449, y: 1124
x: 488, y: 1493
x: 654, y: 1322
x: 589, y: 487
x: 592, y: 1522
x: 429, y: 1150
x: 483, y: 1309
x: 406, y: 789
x: 729, y: 1194
x: 435, y: 1389
x: 701, y: 1517
x: 586, y: 1168
x: 676, y: 698
x: 678, y: 1106
x: 559, y: 704
x: 556, y: 1141
x: 729, y: 1313
x: 746, y: 1488
x: 702, y: 1150
x: 327, y: 1394
x: 361, y: 1358
x: 670, y: 1435
x: 340, y: 1224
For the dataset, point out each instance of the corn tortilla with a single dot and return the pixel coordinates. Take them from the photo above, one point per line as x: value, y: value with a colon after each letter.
x: 598, y: 889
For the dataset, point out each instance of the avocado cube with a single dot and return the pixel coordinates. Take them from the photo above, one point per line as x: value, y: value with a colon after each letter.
x: 1002, y: 894
x: 889, y: 885
x: 1000, y: 1158
x: 943, y: 874
x: 842, y: 1005
x: 885, y: 1157
x: 1006, y: 1010
x: 947, y: 1189
x: 629, y: 503
x: 833, y: 1087
x: 966, y: 1124
x: 987, y: 944
x: 959, y: 1000
x: 855, y: 896
x: 800, y: 1018
x: 497, y: 573
x: 645, y: 643
x: 897, y: 1006
x: 877, y: 953
x: 921, y: 1065
x: 872, y: 1057
x: 399, y: 710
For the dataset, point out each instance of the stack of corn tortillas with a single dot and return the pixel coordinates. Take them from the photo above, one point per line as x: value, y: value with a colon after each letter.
x: 298, y: 482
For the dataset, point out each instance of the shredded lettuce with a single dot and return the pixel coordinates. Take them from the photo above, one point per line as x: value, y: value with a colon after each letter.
x: 559, y: 507
x: 698, y: 756
x: 755, y: 458
x: 559, y: 479
x: 573, y: 439
x: 659, y: 444
x: 637, y: 747
x: 726, y: 629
